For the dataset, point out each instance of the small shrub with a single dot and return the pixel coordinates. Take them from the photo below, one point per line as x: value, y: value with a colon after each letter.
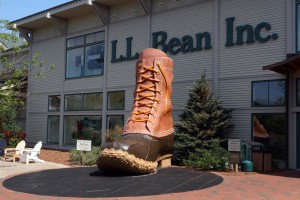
x: 13, y: 137
x: 92, y: 156
x: 13, y: 141
x: 88, y: 158
x: 75, y: 156
x: 208, y: 159
x: 114, y: 134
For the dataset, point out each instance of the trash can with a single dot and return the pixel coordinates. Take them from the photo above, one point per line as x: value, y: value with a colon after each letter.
x: 262, y: 158
x: 2, y: 146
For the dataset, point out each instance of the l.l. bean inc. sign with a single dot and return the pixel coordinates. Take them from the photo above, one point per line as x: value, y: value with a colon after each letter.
x: 200, y: 41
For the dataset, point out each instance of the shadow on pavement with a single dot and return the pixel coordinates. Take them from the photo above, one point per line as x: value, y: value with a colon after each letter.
x: 285, y: 173
x: 88, y: 182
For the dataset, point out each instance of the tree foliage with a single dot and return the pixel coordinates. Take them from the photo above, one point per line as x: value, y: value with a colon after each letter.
x: 201, y: 124
x: 14, y: 72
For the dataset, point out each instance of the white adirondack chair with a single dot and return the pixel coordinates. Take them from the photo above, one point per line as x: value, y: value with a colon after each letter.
x: 14, y: 152
x: 28, y: 155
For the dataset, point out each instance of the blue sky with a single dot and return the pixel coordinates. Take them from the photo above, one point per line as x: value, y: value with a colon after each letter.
x: 15, y: 9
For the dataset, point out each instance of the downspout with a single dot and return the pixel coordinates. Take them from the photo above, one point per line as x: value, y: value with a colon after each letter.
x: 104, y: 91
x: 287, y: 86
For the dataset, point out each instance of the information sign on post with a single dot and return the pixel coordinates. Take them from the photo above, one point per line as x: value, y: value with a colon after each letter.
x: 84, y: 145
x: 234, y: 145
x: 234, y: 148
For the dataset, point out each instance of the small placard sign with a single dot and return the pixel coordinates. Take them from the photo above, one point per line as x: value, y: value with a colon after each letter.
x: 84, y: 145
x: 234, y: 145
x: 234, y: 157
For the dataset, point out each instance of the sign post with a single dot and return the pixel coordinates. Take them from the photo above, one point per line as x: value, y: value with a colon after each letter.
x: 83, y: 146
x: 234, y: 148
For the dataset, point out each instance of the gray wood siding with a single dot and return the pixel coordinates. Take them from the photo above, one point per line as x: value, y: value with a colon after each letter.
x: 188, y: 20
x: 46, y: 32
x: 51, y: 51
x: 123, y: 73
x: 125, y: 10
x: 82, y: 85
x: 37, y: 129
x: 236, y: 92
x: 248, y: 59
x: 240, y: 121
x: 38, y: 102
x: 84, y: 22
x: 159, y: 6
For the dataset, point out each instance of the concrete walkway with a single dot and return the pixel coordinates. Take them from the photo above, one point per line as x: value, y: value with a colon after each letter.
x: 12, y: 168
x: 273, y: 186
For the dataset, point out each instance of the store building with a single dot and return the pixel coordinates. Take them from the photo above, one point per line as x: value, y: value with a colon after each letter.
x: 246, y: 48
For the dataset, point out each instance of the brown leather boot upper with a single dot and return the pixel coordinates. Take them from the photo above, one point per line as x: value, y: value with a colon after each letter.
x: 152, y: 108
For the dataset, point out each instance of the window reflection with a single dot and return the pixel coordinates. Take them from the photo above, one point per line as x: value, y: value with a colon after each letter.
x: 85, y: 55
x: 268, y: 93
x: 270, y: 130
x: 54, y: 103
x: 116, y: 100
x: 82, y: 128
x: 53, y: 129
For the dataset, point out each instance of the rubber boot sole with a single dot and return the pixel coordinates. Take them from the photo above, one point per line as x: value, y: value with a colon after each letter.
x: 112, y: 160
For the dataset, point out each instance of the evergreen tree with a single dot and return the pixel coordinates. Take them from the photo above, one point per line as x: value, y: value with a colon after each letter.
x: 201, y: 126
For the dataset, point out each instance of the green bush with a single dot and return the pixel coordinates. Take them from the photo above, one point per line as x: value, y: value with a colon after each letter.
x: 88, y: 158
x: 215, y: 158
x: 75, y: 156
x: 13, y: 141
x: 114, y: 134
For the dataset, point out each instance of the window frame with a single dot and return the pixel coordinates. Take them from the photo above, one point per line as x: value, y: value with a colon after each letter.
x: 84, y: 52
x: 268, y: 81
x: 81, y: 115
x: 48, y: 129
x: 107, y: 98
x: 114, y: 115
x: 49, y: 103
x: 82, y: 101
x: 285, y: 132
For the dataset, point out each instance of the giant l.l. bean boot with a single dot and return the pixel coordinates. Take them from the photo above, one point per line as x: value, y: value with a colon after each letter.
x: 147, y: 139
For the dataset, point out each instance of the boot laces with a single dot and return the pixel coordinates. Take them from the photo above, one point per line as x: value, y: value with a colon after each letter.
x: 145, y: 94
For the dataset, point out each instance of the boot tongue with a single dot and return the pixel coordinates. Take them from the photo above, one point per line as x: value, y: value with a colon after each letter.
x: 150, y: 54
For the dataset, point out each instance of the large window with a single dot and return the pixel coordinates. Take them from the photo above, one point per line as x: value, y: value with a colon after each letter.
x: 54, y: 103
x: 268, y: 93
x: 85, y: 55
x: 270, y: 130
x: 116, y: 100
x: 82, y: 128
x: 114, y: 121
x: 79, y: 102
x: 53, y: 129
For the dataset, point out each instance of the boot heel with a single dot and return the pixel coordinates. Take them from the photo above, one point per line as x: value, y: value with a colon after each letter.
x: 164, y: 163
